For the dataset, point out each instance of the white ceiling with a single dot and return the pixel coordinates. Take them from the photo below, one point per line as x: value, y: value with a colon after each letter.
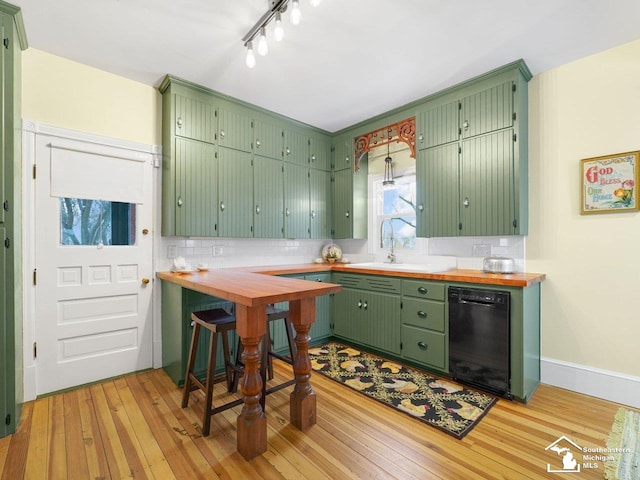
x: 347, y: 61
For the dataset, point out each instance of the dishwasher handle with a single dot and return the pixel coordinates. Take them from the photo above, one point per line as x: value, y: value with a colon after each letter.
x: 476, y: 302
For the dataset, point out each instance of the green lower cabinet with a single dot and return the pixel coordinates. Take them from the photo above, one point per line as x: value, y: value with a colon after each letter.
x: 177, y: 306
x: 425, y: 347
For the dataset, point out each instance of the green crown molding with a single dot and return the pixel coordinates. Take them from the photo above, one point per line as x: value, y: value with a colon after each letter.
x: 16, y: 13
x: 169, y: 79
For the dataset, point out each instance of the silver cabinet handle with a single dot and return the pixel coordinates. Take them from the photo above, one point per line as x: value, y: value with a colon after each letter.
x: 421, y: 138
x: 422, y: 314
x: 287, y: 212
x: 222, y: 206
x: 258, y: 143
x: 365, y: 305
x: 422, y: 290
x: 347, y: 214
x: 221, y: 134
x: 465, y: 124
x: 421, y: 207
x: 288, y: 151
x: 179, y: 122
x: 179, y: 201
x: 347, y: 159
x: 313, y: 214
x: 466, y: 202
x: 422, y: 346
x: 313, y: 158
x: 257, y: 209
x: 359, y: 303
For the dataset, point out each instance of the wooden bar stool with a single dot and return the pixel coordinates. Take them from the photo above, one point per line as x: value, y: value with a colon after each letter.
x: 268, y: 354
x: 217, y: 321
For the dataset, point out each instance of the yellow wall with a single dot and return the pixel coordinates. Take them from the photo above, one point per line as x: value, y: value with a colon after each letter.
x: 585, y: 109
x: 62, y: 93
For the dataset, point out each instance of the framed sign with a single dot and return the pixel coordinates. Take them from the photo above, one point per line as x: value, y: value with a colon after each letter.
x: 608, y: 184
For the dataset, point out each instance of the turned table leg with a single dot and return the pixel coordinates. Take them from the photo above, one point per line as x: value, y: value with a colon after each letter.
x: 252, y: 422
x: 302, y: 401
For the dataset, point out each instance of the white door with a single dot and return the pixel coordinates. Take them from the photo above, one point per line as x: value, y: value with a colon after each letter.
x: 93, y: 259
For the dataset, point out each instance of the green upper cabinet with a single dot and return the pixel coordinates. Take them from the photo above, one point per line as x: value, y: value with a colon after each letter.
x: 267, y: 139
x: 296, y: 201
x: 438, y: 125
x: 268, y: 192
x: 342, y: 153
x: 234, y: 130
x: 486, y: 184
x: 349, y: 203
x: 320, y: 153
x: 473, y: 159
x: 296, y: 147
x: 320, y: 203
x: 487, y: 111
x: 437, y: 191
x: 235, y: 202
x: 194, y: 118
x: 195, y: 185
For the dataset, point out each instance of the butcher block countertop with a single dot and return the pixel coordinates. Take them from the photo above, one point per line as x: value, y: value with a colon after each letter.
x: 246, y: 278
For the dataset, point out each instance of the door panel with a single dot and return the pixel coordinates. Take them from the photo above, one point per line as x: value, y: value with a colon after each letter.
x: 196, y: 193
x: 320, y: 203
x: 487, y: 111
x: 235, y: 205
x: 234, y: 130
x: 296, y: 201
x: 486, y: 183
x: 438, y: 125
x: 268, y: 187
x: 92, y: 313
x: 194, y: 119
x: 319, y: 154
x: 342, y: 204
x: 267, y: 140
x: 296, y: 148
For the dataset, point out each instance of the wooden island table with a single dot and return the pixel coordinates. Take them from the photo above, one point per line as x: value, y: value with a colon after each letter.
x: 252, y: 292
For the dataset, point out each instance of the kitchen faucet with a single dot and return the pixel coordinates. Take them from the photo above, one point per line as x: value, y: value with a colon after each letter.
x: 391, y: 256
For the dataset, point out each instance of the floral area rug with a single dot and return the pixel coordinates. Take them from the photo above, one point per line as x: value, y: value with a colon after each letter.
x: 435, y: 401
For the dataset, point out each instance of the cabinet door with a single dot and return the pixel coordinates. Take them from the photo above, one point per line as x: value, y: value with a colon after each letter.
x: 6, y: 350
x: 438, y: 125
x: 487, y: 111
x: 381, y: 325
x: 296, y: 147
x: 235, y: 205
x: 321, y: 328
x: 486, y: 185
x: 319, y: 154
x: 234, y: 130
x: 194, y: 118
x: 320, y: 203
x: 267, y: 139
x: 196, y: 192
x: 437, y: 191
x: 348, y: 314
x: 342, y: 204
x: 343, y: 154
x: 296, y: 201
x: 268, y: 193
x: 425, y: 346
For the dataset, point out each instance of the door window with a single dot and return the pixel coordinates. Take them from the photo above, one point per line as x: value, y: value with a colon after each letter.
x: 96, y: 222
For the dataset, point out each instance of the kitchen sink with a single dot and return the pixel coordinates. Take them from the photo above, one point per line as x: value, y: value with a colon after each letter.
x: 401, y: 267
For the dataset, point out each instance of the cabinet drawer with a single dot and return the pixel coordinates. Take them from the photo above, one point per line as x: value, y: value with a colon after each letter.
x: 424, y: 346
x: 423, y: 289
x: 423, y: 313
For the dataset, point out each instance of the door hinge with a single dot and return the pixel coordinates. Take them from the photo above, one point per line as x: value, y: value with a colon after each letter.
x: 6, y: 42
x: 513, y: 117
x: 5, y: 205
x: 460, y: 226
x: 513, y: 87
x: 400, y: 345
x: 459, y: 149
x: 35, y: 349
x: 515, y: 137
x: 35, y: 170
x: 35, y: 276
x: 401, y: 307
x: 515, y: 223
x: 7, y: 419
x: 7, y: 242
x: 459, y: 105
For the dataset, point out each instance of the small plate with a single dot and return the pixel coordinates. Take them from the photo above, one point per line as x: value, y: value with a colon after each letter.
x: 203, y: 269
x: 183, y: 270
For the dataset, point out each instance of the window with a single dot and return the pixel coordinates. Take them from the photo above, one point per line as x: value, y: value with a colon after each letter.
x: 96, y: 222
x: 397, y: 204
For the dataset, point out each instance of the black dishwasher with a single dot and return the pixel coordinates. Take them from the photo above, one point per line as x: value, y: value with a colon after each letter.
x: 479, y: 339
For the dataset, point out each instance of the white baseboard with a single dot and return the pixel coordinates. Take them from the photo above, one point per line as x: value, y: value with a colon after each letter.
x: 605, y: 384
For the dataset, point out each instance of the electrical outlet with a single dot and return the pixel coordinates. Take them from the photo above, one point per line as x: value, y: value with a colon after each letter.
x: 217, y: 251
x: 481, y: 250
x: 172, y: 251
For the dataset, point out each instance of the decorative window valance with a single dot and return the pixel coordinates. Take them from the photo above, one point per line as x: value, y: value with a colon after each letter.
x: 403, y: 131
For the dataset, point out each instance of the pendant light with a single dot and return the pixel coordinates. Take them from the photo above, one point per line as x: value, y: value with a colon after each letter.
x: 278, y: 31
x: 388, y: 171
x: 263, y: 47
x: 251, y: 58
x: 296, y: 14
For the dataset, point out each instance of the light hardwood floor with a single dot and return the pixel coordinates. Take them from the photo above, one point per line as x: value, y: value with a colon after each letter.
x: 134, y: 427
